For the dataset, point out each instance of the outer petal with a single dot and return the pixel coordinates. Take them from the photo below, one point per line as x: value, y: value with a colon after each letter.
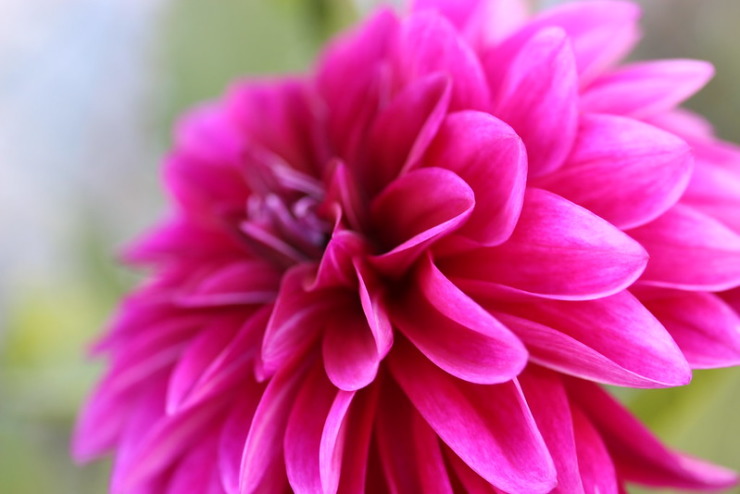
x: 483, y: 425
x: 415, y: 211
x: 490, y: 157
x: 614, y: 340
x: 644, y: 89
x: 349, y: 351
x: 594, y: 463
x: 715, y: 189
x: 455, y: 333
x: 703, y: 325
x: 689, y: 250
x: 637, y: 454
x: 627, y: 172
x: 538, y: 96
x: 427, y: 44
x: 360, y: 421
x: 236, y: 283
x: 558, y: 250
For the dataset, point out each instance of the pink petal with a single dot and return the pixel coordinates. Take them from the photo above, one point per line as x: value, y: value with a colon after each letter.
x: 691, y: 251
x: 295, y: 320
x: 490, y: 157
x: 428, y: 44
x: 454, y: 332
x: 704, y: 326
x: 196, y: 472
x: 548, y: 401
x: 456, y: 11
x: 413, y: 463
x: 537, y: 94
x: 263, y: 450
x: 643, y: 89
x: 404, y: 129
x: 481, y: 424
x: 360, y: 421
x: 601, y: 32
x: 415, y: 211
x: 614, y: 340
x: 236, y: 283
x: 558, y: 250
x: 234, y: 436
x: 313, y: 433
x: 637, y: 454
x: 349, y: 351
x: 714, y: 189
x: 594, y: 462
x: 627, y: 172
x: 350, y: 79
x: 374, y: 306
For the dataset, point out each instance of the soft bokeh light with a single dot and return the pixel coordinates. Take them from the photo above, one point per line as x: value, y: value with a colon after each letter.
x: 88, y: 92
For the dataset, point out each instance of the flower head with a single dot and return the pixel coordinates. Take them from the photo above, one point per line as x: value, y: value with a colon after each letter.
x: 409, y: 271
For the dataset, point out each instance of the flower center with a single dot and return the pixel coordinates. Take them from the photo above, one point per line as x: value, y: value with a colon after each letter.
x: 283, y: 223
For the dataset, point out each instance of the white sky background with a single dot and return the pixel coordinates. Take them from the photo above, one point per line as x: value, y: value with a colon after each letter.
x: 73, y: 84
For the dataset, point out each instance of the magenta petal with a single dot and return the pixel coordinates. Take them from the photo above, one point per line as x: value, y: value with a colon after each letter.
x: 625, y: 171
x: 429, y: 44
x: 455, y: 333
x: 637, y: 454
x: 558, y: 250
x: 703, y: 325
x: 481, y: 424
x: 538, y: 96
x: 714, y: 189
x: 456, y: 11
x: 614, y: 340
x: 490, y: 157
x: 263, y: 450
x: 197, y: 472
x: 404, y: 129
x: 690, y: 250
x: 246, y: 282
x: 644, y: 89
x: 414, y: 464
x: 234, y: 435
x: 349, y: 351
x: 361, y: 421
x: 416, y: 210
x: 295, y: 319
x: 374, y: 307
x: 601, y: 32
x: 548, y: 401
x: 313, y: 442
x: 594, y: 462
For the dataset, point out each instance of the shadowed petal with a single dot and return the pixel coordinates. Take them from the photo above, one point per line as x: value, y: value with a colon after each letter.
x: 558, y: 250
x: 490, y: 157
x: 643, y: 89
x: 349, y: 351
x: 614, y: 340
x: 690, y: 250
x: 488, y: 427
x: 360, y: 421
x: 594, y: 462
x: 625, y: 171
x: 416, y: 210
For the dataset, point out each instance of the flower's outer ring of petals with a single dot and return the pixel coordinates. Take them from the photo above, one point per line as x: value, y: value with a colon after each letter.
x: 625, y: 171
x: 404, y: 129
x: 613, y: 340
x: 595, y: 465
x: 714, y: 189
x: 483, y: 425
x: 558, y: 250
x: 350, y: 354
x: 690, y: 251
x: 455, y: 333
x: 490, y: 157
x: 644, y: 89
x: 349, y: 80
x: 415, y: 211
x: 196, y: 471
x: 601, y: 32
x: 429, y: 44
x: 535, y: 90
x: 548, y: 401
x: 361, y: 422
x: 704, y: 326
x: 637, y: 454
x: 314, y: 438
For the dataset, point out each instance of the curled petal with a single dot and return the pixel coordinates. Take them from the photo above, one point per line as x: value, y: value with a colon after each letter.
x: 350, y: 354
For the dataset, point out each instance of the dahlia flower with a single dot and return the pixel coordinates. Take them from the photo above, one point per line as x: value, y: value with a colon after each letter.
x: 412, y: 269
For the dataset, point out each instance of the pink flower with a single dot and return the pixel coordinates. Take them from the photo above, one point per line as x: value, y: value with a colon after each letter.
x: 409, y: 271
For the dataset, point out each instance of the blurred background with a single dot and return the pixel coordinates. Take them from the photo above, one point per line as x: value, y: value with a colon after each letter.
x: 88, y: 92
